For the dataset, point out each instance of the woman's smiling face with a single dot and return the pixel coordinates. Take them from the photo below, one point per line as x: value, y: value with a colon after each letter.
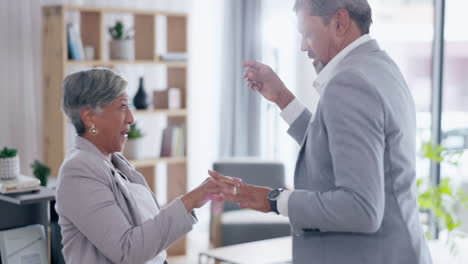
x: 113, y: 123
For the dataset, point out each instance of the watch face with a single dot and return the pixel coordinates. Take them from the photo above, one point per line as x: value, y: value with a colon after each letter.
x: 273, y: 194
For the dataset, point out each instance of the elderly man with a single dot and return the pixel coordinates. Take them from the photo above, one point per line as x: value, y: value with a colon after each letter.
x: 355, y: 195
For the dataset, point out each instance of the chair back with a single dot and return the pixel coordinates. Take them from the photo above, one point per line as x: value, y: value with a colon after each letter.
x: 252, y: 171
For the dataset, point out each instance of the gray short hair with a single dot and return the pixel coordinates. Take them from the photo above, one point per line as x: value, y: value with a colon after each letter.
x: 359, y: 10
x: 94, y: 89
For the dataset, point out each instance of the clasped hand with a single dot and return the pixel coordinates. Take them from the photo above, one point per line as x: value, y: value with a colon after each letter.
x: 234, y: 190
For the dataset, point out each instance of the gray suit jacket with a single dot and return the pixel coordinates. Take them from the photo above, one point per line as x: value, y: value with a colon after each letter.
x: 99, y: 220
x: 355, y: 195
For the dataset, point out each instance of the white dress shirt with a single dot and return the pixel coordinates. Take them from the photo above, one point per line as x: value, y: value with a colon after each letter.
x: 294, y: 109
x: 146, y: 206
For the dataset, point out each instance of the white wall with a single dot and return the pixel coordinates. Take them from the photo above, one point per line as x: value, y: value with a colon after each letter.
x: 204, y: 82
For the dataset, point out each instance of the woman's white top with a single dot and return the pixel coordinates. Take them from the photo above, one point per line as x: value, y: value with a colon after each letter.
x: 146, y: 206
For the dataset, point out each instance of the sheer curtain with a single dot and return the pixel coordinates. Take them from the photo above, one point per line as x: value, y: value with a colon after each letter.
x: 21, y: 81
x: 240, y: 107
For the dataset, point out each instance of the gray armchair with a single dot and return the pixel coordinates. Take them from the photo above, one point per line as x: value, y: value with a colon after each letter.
x: 231, y: 225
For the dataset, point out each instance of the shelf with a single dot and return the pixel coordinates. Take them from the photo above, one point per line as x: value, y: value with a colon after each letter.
x: 154, y: 162
x: 169, y: 64
x: 168, y: 112
x: 123, y: 10
x: 174, y: 64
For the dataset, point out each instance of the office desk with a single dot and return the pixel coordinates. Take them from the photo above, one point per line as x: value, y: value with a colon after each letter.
x: 270, y: 251
x: 22, y: 209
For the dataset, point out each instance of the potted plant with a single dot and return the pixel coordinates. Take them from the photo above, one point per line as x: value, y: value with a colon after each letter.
x: 134, y: 143
x: 41, y: 172
x: 9, y: 164
x: 443, y: 200
x: 122, y: 45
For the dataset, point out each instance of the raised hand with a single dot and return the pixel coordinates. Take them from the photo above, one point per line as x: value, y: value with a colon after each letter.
x: 263, y: 79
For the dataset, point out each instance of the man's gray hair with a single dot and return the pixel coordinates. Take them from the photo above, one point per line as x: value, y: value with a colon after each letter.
x: 359, y: 10
x: 94, y: 89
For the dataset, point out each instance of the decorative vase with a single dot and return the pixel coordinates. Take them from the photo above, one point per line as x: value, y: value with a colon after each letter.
x: 140, y: 101
x: 9, y: 168
x: 122, y: 49
x: 133, y: 147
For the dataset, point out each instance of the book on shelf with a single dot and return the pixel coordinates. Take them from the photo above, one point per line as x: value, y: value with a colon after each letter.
x: 173, y: 142
x: 174, y: 56
x: 74, y: 43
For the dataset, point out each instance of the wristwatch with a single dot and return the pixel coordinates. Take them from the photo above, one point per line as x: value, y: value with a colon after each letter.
x: 273, y: 197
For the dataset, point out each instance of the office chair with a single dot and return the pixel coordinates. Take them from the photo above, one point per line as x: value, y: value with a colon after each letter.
x: 231, y: 225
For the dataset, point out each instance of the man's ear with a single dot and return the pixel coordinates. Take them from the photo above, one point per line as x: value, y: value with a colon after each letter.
x: 88, y: 117
x: 342, y: 22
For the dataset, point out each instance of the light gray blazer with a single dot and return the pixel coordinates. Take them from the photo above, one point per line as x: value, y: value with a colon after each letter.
x: 355, y: 198
x: 100, y: 222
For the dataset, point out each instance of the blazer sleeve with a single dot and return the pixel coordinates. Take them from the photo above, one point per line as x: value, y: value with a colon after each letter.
x: 353, y: 114
x: 87, y: 200
x: 298, y: 128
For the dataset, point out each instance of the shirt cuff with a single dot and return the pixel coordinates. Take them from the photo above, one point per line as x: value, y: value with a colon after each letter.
x: 292, y: 111
x: 282, y: 202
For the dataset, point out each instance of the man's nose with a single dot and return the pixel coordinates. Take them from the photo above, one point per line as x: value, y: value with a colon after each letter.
x: 303, y: 45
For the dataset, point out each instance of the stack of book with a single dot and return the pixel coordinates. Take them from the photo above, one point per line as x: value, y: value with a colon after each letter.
x: 20, y: 184
x: 173, y: 142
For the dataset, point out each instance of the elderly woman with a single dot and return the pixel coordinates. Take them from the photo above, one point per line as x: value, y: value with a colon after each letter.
x: 106, y: 210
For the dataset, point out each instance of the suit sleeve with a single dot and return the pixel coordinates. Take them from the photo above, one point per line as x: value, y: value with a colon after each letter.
x: 353, y: 114
x: 87, y: 200
x: 298, y: 128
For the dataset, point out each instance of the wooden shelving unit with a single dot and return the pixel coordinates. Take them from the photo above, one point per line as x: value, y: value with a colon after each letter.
x: 111, y: 63
x: 92, y: 33
x: 153, y: 162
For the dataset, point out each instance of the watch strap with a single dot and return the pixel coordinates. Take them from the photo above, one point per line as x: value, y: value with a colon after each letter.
x: 274, y: 206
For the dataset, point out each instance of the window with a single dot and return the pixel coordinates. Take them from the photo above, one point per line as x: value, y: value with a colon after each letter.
x: 279, y: 48
x: 405, y: 30
x: 454, y: 123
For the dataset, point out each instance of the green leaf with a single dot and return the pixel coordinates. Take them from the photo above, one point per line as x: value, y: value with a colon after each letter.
x: 41, y: 171
x: 134, y: 132
x: 8, y: 153
x: 443, y: 199
x: 419, y: 182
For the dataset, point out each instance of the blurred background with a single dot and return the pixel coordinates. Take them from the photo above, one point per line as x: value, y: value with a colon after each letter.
x: 196, y: 48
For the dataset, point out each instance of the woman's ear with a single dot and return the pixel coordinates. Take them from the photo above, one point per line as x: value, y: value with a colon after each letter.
x: 88, y: 117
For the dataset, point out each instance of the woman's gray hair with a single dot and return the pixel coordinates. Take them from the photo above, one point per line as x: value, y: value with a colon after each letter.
x: 94, y: 89
x: 359, y: 10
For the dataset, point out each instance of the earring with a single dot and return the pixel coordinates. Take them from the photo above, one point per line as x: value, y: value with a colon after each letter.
x: 93, y: 130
